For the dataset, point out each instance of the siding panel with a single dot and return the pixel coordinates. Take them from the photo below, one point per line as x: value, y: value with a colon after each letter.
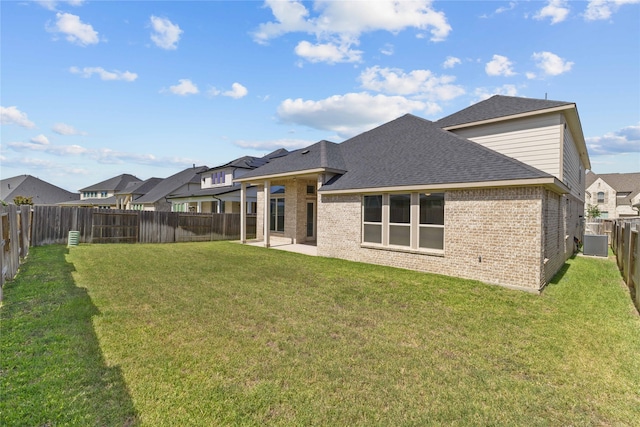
x: 536, y: 141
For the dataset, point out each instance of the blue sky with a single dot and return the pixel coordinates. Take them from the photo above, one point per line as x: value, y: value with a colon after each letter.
x: 94, y: 89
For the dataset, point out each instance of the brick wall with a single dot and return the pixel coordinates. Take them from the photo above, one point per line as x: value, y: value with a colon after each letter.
x: 492, y: 235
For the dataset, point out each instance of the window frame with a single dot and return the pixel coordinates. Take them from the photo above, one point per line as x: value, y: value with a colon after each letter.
x: 387, y: 240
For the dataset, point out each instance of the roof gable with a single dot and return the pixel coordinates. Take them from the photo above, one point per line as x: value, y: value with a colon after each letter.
x: 498, y: 106
x: 172, y: 184
x: 112, y: 184
x: 41, y: 192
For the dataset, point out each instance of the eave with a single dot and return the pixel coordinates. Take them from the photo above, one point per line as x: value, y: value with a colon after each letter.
x: 550, y: 183
x: 292, y: 174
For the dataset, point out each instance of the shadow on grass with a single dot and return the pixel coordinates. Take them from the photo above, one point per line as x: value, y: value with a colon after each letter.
x: 52, y: 368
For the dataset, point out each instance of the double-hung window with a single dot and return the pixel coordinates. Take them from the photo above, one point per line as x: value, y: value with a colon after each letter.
x: 372, y: 228
x: 413, y: 221
x: 431, y: 234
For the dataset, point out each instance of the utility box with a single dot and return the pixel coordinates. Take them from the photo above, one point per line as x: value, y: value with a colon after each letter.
x: 74, y: 238
x: 596, y: 245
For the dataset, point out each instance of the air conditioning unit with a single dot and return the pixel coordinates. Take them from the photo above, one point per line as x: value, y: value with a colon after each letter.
x: 596, y: 245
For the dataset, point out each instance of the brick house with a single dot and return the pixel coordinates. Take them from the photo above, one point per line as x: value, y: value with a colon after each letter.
x: 462, y: 197
x: 617, y: 195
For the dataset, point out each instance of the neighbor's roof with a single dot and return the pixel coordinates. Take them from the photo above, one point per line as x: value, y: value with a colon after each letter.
x: 141, y: 188
x: 251, y: 162
x: 41, y: 192
x: 496, y: 107
x: 408, y: 151
x: 173, y: 183
x: 116, y: 183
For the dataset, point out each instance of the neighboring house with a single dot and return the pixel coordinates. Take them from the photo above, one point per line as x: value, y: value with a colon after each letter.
x: 217, y: 192
x: 103, y: 194
x: 41, y: 192
x: 156, y: 199
x: 127, y: 197
x: 617, y: 195
x: 413, y: 194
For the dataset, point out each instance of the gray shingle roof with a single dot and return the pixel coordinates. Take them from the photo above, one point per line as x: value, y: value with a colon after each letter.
x: 116, y: 183
x: 140, y: 188
x: 406, y: 151
x: 41, y: 192
x: 414, y: 151
x: 172, y: 184
x: 323, y: 154
x: 498, y: 106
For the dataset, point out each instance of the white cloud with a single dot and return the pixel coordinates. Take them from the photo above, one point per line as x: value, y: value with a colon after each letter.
x: 237, y: 91
x: 625, y: 140
x: 65, y: 129
x: 338, y: 25
x: 551, y: 64
x: 451, y: 62
x: 483, y: 93
x: 289, y: 144
x: 76, y: 31
x: 499, y: 66
x: 166, y: 34
x: 183, y: 88
x: 348, y: 114
x: 87, y: 72
x: 100, y: 155
x: 417, y: 83
x: 511, y: 6
x: 40, y: 139
x: 11, y: 115
x: 52, y: 5
x: 387, y: 49
x: 603, y: 9
x: 327, y: 52
x: 557, y: 10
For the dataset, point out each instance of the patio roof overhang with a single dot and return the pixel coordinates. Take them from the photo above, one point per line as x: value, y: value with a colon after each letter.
x: 308, y: 173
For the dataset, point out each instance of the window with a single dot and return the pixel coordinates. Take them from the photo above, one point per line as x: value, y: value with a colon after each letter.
x: 431, y: 235
x: 372, y: 229
x: 411, y: 220
x: 604, y: 215
x: 600, y: 196
x: 311, y: 189
x: 103, y: 194
x: 276, y: 219
x: 400, y: 219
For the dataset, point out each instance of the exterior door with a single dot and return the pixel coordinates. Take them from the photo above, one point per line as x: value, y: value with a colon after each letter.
x: 311, y: 220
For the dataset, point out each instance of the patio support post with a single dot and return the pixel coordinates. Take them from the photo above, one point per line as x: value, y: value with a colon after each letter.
x: 267, y: 213
x: 243, y: 212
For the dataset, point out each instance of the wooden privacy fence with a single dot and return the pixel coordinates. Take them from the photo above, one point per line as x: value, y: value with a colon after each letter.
x: 15, y: 229
x: 625, y: 243
x: 51, y: 224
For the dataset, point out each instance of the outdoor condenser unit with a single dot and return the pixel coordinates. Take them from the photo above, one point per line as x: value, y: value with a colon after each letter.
x: 596, y: 244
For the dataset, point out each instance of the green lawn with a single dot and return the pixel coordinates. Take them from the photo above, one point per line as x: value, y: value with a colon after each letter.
x: 223, y: 334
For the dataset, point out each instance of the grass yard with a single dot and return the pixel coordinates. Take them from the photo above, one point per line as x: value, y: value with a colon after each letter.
x: 223, y: 334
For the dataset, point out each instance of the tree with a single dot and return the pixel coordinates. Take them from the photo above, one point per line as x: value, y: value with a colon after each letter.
x: 593, y: 211
x: 21, y: 200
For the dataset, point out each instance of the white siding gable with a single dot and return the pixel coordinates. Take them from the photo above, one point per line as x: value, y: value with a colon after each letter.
x: 536, y: 141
